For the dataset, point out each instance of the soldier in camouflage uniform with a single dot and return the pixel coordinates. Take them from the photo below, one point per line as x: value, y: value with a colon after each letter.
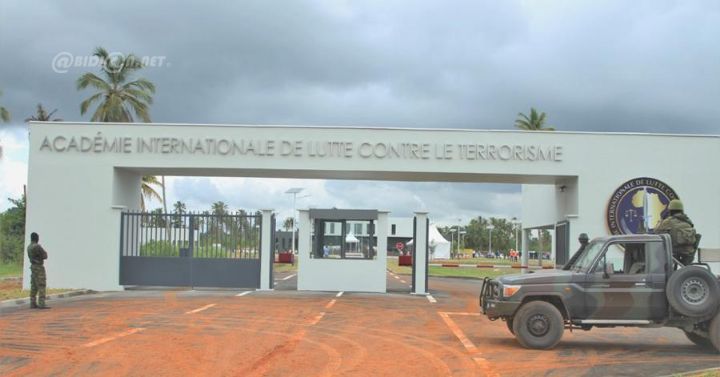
x: 682, y: 232
x: 37, y: 255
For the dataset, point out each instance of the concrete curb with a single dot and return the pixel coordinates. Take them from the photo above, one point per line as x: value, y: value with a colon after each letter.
x: 26, y: 300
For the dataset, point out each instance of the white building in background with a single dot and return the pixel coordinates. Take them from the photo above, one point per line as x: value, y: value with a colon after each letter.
x: 398, y: 227
x: 83, y: 176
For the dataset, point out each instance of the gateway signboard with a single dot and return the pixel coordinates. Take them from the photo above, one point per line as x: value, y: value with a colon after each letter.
x: 299, y: 148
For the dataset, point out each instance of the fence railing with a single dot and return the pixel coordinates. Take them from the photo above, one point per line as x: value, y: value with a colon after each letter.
x: 196, y: 235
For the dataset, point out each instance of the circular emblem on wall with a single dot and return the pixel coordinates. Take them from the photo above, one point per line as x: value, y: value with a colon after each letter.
x: 638, y: 205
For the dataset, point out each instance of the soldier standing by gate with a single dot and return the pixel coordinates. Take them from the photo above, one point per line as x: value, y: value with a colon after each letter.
x: 37, y: 256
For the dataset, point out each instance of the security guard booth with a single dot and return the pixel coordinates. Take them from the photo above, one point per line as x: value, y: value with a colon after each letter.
x: 342, y: 250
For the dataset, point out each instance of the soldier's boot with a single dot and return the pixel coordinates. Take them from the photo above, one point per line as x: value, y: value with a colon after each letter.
x: 33, y: 304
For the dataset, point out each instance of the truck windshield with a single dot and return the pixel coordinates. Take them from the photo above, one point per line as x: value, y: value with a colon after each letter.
x: 584, y: 262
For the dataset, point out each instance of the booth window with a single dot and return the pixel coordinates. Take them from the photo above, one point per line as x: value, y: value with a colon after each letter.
x: 349, y: 243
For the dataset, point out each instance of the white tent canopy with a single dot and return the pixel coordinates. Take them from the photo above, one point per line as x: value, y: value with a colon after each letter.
x: 439, y: 246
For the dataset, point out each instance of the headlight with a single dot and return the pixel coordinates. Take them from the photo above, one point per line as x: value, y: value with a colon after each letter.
x: 509, y: 290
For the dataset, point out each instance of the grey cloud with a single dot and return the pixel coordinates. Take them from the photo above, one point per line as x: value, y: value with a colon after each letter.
x: 618, y: 66
x: 641, y: 66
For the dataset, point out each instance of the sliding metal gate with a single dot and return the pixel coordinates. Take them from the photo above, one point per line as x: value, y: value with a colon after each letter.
x: 190, y: 250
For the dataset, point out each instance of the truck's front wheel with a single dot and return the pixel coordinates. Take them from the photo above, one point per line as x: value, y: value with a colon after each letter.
x: 538, y: 325
x: 509, y: 323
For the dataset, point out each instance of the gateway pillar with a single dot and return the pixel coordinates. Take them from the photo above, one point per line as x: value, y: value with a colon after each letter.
x: 420, y: 254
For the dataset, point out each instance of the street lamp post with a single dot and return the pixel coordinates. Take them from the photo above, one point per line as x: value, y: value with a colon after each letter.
x: 294, y: 191
x: 517, y: 228
x: 452, y: 239
x: 490, y: 228
x: 457, y: 249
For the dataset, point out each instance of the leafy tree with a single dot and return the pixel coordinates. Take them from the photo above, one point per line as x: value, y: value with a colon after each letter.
x: 12, y: 232
x: 541, y: 243
x: 477, y: 234
x: 118, y: 98
x: 534, y: 122
x: 42, y: 115
x: 157, y: 219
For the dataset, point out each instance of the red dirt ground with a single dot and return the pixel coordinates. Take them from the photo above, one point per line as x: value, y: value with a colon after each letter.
x: 286, y: 333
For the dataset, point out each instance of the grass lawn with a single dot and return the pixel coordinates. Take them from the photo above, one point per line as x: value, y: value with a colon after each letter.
x: 491, y: 261
x: 466, y: 272
x: 10, y: 270
x: 12, y: 288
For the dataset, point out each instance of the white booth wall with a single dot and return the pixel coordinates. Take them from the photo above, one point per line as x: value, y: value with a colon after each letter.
x: 349, y: 275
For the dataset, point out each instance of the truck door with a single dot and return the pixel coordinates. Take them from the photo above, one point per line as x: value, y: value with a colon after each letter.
x: 626, y: 291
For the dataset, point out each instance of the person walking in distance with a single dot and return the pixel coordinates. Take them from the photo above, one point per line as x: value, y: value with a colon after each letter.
x: 37, y: 256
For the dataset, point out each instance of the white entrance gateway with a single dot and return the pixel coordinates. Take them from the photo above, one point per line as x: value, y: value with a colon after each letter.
x: 83, y: 175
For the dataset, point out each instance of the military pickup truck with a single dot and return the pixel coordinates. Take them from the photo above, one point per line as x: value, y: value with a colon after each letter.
x: 628, y: 280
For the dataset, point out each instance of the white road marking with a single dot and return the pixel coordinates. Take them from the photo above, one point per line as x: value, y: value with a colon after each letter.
x: 403, y: 281
x: 458, y: 333
x: 477, y: 356
x: 289, y: 276
x: 200, y: 309
x: 243, y: 293
x: 330, y: 304
x: 110, y: 338
x: 396, y: 277
x: 317, y: 319
x: 339, y: 294
x: 431, y: 298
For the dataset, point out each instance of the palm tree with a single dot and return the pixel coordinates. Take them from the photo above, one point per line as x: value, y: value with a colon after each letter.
x: 147, y: 191
x: 288, y: 223
x: 179, y: 209
x: 42, y: 115
x: 5, y: 117
x: 117, y: 98
x: 535, y: 122
x: 4, y: 114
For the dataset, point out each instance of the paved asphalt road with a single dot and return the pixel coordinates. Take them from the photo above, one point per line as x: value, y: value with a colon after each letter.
x: 285, y: 332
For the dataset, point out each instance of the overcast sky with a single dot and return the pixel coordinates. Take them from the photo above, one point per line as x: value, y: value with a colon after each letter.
x: 641, y: 66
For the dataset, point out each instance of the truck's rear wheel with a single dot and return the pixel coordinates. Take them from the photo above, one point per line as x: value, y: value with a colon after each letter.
x: 693, y: 291
x: 714, y: 331
x: 699, y: 340
x: 538, y: 325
